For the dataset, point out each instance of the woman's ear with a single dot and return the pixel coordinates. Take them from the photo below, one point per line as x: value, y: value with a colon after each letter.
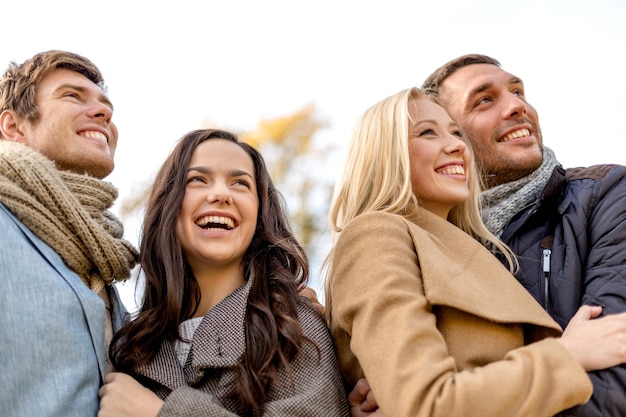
x: 10, y: 127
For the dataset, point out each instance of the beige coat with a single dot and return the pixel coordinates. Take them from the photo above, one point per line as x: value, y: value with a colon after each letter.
x: 439, y: 327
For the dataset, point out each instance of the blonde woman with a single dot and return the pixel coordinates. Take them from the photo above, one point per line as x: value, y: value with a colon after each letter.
x: 419, y: 306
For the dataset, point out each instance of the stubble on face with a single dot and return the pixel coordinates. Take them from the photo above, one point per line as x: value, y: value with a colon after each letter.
x: 497, y: 168
x: 74, y: 114
x: 486, y: 123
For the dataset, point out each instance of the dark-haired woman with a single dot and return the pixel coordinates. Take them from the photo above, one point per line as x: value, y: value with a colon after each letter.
x: 222, y: 330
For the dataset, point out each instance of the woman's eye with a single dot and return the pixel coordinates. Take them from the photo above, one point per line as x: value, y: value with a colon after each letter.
x: 195, y: 179
x: 427, y: 132
x: 244, y: 183
x: 458, y: 133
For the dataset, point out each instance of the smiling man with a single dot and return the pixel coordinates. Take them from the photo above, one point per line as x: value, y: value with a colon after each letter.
x: 60, y: 247
x: 567, y: 227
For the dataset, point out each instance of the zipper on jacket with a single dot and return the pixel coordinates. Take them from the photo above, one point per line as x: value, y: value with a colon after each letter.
x: 546, y: 276
x: 546, y: 245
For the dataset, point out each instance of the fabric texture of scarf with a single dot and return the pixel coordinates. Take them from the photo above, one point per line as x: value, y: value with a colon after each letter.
x: 501, y: 203
x: 69, y: 212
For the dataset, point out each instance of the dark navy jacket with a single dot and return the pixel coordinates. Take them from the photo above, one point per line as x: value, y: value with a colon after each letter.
x: 571, y: 246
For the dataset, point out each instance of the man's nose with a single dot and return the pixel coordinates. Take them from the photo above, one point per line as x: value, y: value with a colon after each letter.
x: 100, y: 110
x: 514, y: 107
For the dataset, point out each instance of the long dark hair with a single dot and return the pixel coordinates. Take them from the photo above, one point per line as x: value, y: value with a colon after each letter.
x: 274, y: 262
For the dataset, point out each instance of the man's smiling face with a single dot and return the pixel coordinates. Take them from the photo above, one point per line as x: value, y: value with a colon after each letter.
x: 74, y: 128
x: 489, y: 105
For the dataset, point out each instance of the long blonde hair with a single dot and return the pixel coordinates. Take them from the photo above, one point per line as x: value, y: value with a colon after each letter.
x: 377, y: 177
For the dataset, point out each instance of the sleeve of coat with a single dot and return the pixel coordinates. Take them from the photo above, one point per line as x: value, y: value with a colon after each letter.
x: 316, y: 391
x: 377, y: 300
x: 604, y: 284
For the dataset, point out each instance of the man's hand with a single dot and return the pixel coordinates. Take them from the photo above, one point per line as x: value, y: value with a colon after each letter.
x: 362, y: 402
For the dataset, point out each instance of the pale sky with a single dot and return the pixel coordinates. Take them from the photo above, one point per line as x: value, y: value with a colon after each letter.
x: 171, y: 65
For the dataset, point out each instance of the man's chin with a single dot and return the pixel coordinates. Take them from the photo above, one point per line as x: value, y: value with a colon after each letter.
x: 511, y: 168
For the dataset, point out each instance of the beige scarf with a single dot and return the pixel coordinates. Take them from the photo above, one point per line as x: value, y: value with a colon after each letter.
x: 70, y: 213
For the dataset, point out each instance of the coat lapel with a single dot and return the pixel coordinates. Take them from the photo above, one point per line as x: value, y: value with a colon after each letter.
x: 468, y: 274
x: 220, y: 339
x: 165, y: 368
x: 218, y: 343
x: 94, y: 312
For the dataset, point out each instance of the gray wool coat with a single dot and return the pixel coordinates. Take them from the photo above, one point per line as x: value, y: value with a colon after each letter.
x: 203, y: 386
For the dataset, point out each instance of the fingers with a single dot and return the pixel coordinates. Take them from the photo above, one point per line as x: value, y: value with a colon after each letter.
x: 370, y: 403
x: 585, y: 313
x: 109, y: 377
x: 596, y: 343
x: 362, y: 397
x: 595, y: 311
x: 359, y: 392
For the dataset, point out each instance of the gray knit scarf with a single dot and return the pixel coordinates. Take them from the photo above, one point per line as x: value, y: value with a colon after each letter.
x: 501, y: 203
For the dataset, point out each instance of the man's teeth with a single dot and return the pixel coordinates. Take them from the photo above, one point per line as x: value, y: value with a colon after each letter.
x: 93, y: 134
x: 216, y: 222
x: 517, y: 134
x: 452, y: 170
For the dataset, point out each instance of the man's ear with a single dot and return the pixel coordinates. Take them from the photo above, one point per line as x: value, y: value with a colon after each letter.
x: 11, y: 126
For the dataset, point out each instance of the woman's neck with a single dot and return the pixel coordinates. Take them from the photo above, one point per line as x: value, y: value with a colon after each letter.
x: 215, y: 285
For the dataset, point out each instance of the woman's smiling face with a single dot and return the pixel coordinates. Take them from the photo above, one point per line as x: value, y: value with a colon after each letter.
x: 218, y: 214
x: 439, y: 157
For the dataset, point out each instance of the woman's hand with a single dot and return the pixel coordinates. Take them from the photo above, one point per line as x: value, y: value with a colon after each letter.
x: 596, y: 344
x: 122, y: 396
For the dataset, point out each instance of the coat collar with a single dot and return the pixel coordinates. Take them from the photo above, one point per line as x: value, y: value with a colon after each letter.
x: 218, y: 342
x: 468, y: 261
x: 552, y: 190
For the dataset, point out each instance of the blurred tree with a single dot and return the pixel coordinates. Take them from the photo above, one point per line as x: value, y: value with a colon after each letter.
x: 296, y: 164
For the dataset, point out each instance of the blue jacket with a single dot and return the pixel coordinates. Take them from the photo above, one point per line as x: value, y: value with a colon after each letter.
x: 52, y: 358
x: 571, y: 245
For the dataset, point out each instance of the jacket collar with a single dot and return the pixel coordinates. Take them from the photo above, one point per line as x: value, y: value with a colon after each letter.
x: 552, y: 190
x: 94, y: 311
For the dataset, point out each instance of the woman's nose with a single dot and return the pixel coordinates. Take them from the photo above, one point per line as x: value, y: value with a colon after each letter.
x: 219, y: 193
x: 456, y: 145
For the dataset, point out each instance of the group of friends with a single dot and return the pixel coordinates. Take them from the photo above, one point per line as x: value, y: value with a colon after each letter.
x: 470, y: 273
